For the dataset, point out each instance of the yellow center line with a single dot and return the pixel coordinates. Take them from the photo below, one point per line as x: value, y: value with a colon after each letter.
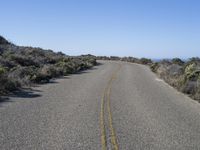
x: 113, y: 136
x: 106, y: 94
x: 102, y: 125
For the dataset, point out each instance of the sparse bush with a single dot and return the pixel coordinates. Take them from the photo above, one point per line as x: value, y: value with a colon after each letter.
x: 195, y: 59
x: 115, y: 58
x: 22, y: 66
x: 177, y: 61
x: 7, y: 85
x: 50, y: 71
x: 190, y: 69
x: 40, y: 78
x: 145, y: 61
x: 175, y: 70
x: 7, y: 63
x: 194, y: 75
x: 154, y: 67
x: 66, y: 67
x: 185, y: 76
x: 45, y: 73
x: 190, y: 87
x: 22, y: 74
x: 2, y: 70
x: 23, y: 60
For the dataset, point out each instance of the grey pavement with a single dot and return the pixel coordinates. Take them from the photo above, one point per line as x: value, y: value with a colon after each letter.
x: 65, y: 115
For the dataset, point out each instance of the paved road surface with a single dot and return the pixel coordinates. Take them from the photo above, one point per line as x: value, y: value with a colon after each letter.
x: 113, y: 106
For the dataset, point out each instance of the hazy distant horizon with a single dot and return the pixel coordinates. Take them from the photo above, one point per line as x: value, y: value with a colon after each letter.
x: 152, y: 58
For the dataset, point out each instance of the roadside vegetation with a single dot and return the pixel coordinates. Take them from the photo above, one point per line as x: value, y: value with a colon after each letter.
x: 144, y: 61
x: 183, y: 75
x: 23, y: 66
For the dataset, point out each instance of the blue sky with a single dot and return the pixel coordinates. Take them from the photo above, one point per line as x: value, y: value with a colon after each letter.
x: 142, y: 28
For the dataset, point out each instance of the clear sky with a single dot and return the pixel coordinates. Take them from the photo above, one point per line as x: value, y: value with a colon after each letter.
x: 142, y: 28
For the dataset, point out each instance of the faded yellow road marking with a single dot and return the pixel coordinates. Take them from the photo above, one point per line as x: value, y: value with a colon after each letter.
x: 102, y: 125
x: 106, y: 94
x: 113, y: 136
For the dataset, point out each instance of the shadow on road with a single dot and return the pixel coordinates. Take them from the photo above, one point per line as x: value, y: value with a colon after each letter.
x: 22, y: 93
x: 3, y: 99
x: 33, y: 93
x: 25, y: 93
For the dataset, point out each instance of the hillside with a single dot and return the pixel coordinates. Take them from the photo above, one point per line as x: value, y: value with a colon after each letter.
x: 23, y: 66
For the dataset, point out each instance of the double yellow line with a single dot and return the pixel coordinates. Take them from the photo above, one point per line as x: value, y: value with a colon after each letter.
x: 106, y: 96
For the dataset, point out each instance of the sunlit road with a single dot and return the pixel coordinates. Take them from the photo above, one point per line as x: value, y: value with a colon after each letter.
x: 115, y: 105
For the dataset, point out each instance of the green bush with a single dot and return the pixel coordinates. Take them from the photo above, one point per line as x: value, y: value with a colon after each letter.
x: 185, y: 76
x: 145, y: 61
x: 11, y: 85
x: 177, y: 61
x: 194, y: 75
x: 40, y: 78
x: 190, y: 69
x: 45, y: 73
x: 21, y: 66
x: 23, y: 60
x: 154, y: 67
x: 2, y: 70
x: 191, y: 72
x: 66, y: 67
x: 8, y: 85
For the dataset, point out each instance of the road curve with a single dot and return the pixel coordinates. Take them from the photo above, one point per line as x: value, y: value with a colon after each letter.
x: 115, y: 105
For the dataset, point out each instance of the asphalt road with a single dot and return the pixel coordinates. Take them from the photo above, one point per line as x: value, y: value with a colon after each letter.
x: 115, y: 105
